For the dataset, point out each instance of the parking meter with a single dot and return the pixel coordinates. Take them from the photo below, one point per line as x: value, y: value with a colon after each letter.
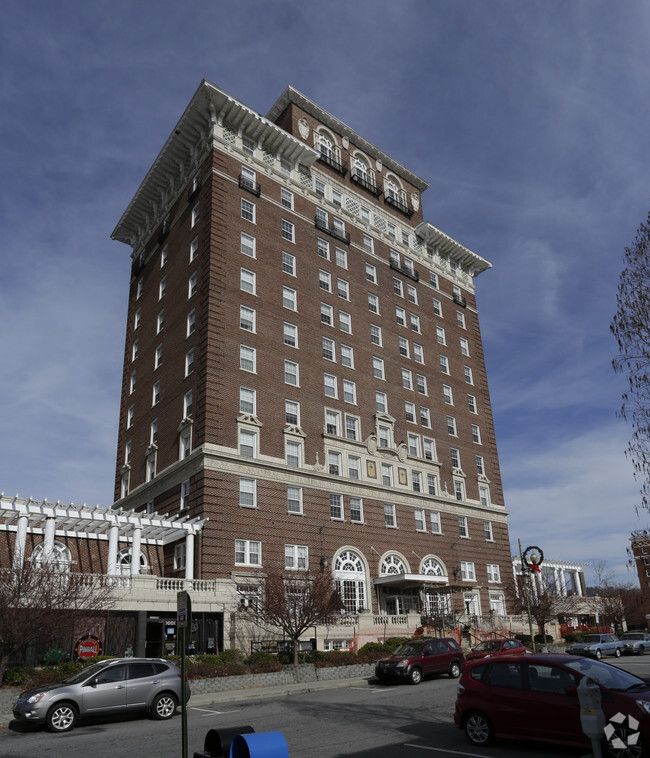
x: 592, y: 718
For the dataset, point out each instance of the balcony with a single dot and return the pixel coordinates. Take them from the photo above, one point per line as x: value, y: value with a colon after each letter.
x: 460, y: 300
x: 411, y: 273
x: 363, y: 180
x: 249, y: 185
x: 324, y: 227
x: 332, y: 162
x: 400, y: 206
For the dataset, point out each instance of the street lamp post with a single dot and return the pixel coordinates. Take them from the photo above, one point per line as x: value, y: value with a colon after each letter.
x: 525, y: 583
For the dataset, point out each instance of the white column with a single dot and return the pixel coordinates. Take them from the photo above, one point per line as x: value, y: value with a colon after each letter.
x: 563, y: 583
x: 112, y: 551
x: 48, y: 540
x: 556, y: 581
x: 135, y: 552
x: 577, y: 582
x: 19, y: 545
x: 189, y: 556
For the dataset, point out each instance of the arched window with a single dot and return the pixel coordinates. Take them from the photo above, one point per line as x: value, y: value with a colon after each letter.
x: 391, y: 190
x: 433, y: 567
x: 123, y: 562
x: 325, y: 145
x: 393, y: 564
x: 350, y: 578
x: 360, y: 168
x: 60, y: 555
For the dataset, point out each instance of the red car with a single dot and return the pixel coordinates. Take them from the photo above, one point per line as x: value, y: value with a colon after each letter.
x: 535, y: 698
x: 489, y: 648
x: 415, y: 659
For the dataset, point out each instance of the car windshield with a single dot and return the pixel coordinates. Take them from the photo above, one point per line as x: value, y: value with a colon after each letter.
x: 86, y: 673
x: 591, y: 638
x: 609, y: 676
x: 408, y: 648
x: 632, y: 637
x: 488, y: 645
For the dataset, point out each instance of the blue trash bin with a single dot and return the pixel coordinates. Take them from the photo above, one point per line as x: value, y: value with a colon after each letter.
x: 260, y: 745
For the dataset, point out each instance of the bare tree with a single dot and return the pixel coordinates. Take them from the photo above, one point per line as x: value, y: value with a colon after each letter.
x: 619, y: 602
x: 546, y: 602
x: 294, y: 601
x: 631, y: 327
x: 40, y: 603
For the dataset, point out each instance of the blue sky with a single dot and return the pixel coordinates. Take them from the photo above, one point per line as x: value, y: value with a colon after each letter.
x: 529, y: 120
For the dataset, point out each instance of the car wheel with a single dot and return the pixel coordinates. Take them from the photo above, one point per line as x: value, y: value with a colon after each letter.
x: 454, y: 670
x: 617, y: 652
x: 415, y: 676
x: 621, y: 738
x: 478, y: 729
x: 61, y: 717
x: 641, y: 650
x: 164, y: 706
x: 599, y: 655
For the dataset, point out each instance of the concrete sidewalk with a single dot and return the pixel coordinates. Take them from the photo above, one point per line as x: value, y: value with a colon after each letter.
x: 204, y: 699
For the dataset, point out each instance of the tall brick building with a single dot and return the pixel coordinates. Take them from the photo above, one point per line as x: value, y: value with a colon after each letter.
x: 304, y: 369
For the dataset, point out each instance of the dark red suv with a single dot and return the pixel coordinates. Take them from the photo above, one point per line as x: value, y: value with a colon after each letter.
x: 414, y: 659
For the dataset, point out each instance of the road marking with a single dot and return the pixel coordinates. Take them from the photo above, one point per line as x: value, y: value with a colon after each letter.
x: 382, y: 690
x: 209, y: 712
x: 451, y: 752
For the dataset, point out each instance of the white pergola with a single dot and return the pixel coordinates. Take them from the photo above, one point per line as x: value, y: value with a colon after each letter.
x: 23, y: 516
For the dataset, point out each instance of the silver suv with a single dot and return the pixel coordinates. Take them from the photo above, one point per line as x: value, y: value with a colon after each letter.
x: 120, y: 685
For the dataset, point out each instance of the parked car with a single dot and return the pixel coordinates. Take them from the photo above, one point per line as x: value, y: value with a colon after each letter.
x: 597, y: 645
x: 635, y: 643
x: 415, y: 659
x: 534, y: 697
x: 490, y: 648
x: 118, y: 685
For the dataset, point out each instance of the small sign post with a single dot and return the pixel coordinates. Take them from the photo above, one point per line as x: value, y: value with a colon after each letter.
x: 183, y: 621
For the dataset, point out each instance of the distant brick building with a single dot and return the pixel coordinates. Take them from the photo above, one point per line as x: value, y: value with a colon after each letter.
x: 304, y: 383
x: 640, y: 552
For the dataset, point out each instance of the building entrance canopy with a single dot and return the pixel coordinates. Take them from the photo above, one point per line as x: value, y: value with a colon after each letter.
x: 409, y: 580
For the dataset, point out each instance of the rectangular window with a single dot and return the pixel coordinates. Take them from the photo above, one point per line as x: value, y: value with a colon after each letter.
x: 404, y: 347
x: 444, y: 364
x: 138, y: 292
x: 247, y: 493
x: 451, y: 426
x: 434, y: 520
x: 295, y: 557
x: 397, y: 287
x: 341, y: 255
x: 248, y: 179
x: 195, y: 215
x: 289, y: 298
x: 248, y: 146
x: 326, y: 314
x: 471, y: 403
x: 129, y: 417
x: 418, y: 353
x: 290, y: 334
x: 247, y: 281
x: 247, y: 245
x: 460, y: 319
x: 386, y: 474
x: 247, y: 400
x: 421, y: 382
x: 330, y: 384
x: 336, y: 197
x: 476, y: 434
x: 447, y: 394
x: 345, y: 322
x: 437, y: 307
x: 455, y: 457
x: 248, y: 553
x: 347, y: 356
x: 294, y: 454
x: 384, y: 436
x: 132, y: 383
x: 467, y: 572
x: 411, y: 292
x: 294, y: 499
x: 163, y: 256
x: 420, y: 521
x: 433, y: 278
x: 463, y: 529
x: 493, y: 572
x: 291, y: 373
x: 153, y: 432
x: 368, y: 243
x: 468, y: 375
x: 187, y: 404
x: 349, y: 392
x: 375, y: 335
x: 354, y: 467
x: 289, y: 263
x: 192, y: 285
x: 409, y: 409
x: 137, y: 318
x: 416, y: 481
x: 333, y: 422
x: 324, y: 249
x: 162, y: 288
x: 155, y: 399
x: 378, y: 368
x: 380, y: 402
x: 194, y: 248
x: 325, y: 280
x: 400, y: 316
x: 440, y: 335
x: 484, y: 495
x: 414, y: 444
x: 351, y: 427
x: 371, y: 273
x: 180, y: 556
x: 343, y: 289
x: 464, y: 346
x: 319, y: 187
x: 160, y: 322
x: 286, y: 198
x: 415, y: 323
x: 432, y: 484
x: 407, y: 379
x: 373, y: 303
x: 336, y: 506
x: 288, y: 231
x: 329, y: 349
x: 356, y: 510
x: 191, y: 322
x: 487, y: 531
x: 292, y: 412
x: 246, y: 318
x: 425, y: 416
x: 459, y: 490
x: 247, y: 358
x: 390, y: 518
x: 480, y: 465
x: 429, y: 449
x: 285, y: 166
x: 247, y: 210
x: 247, y: 444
